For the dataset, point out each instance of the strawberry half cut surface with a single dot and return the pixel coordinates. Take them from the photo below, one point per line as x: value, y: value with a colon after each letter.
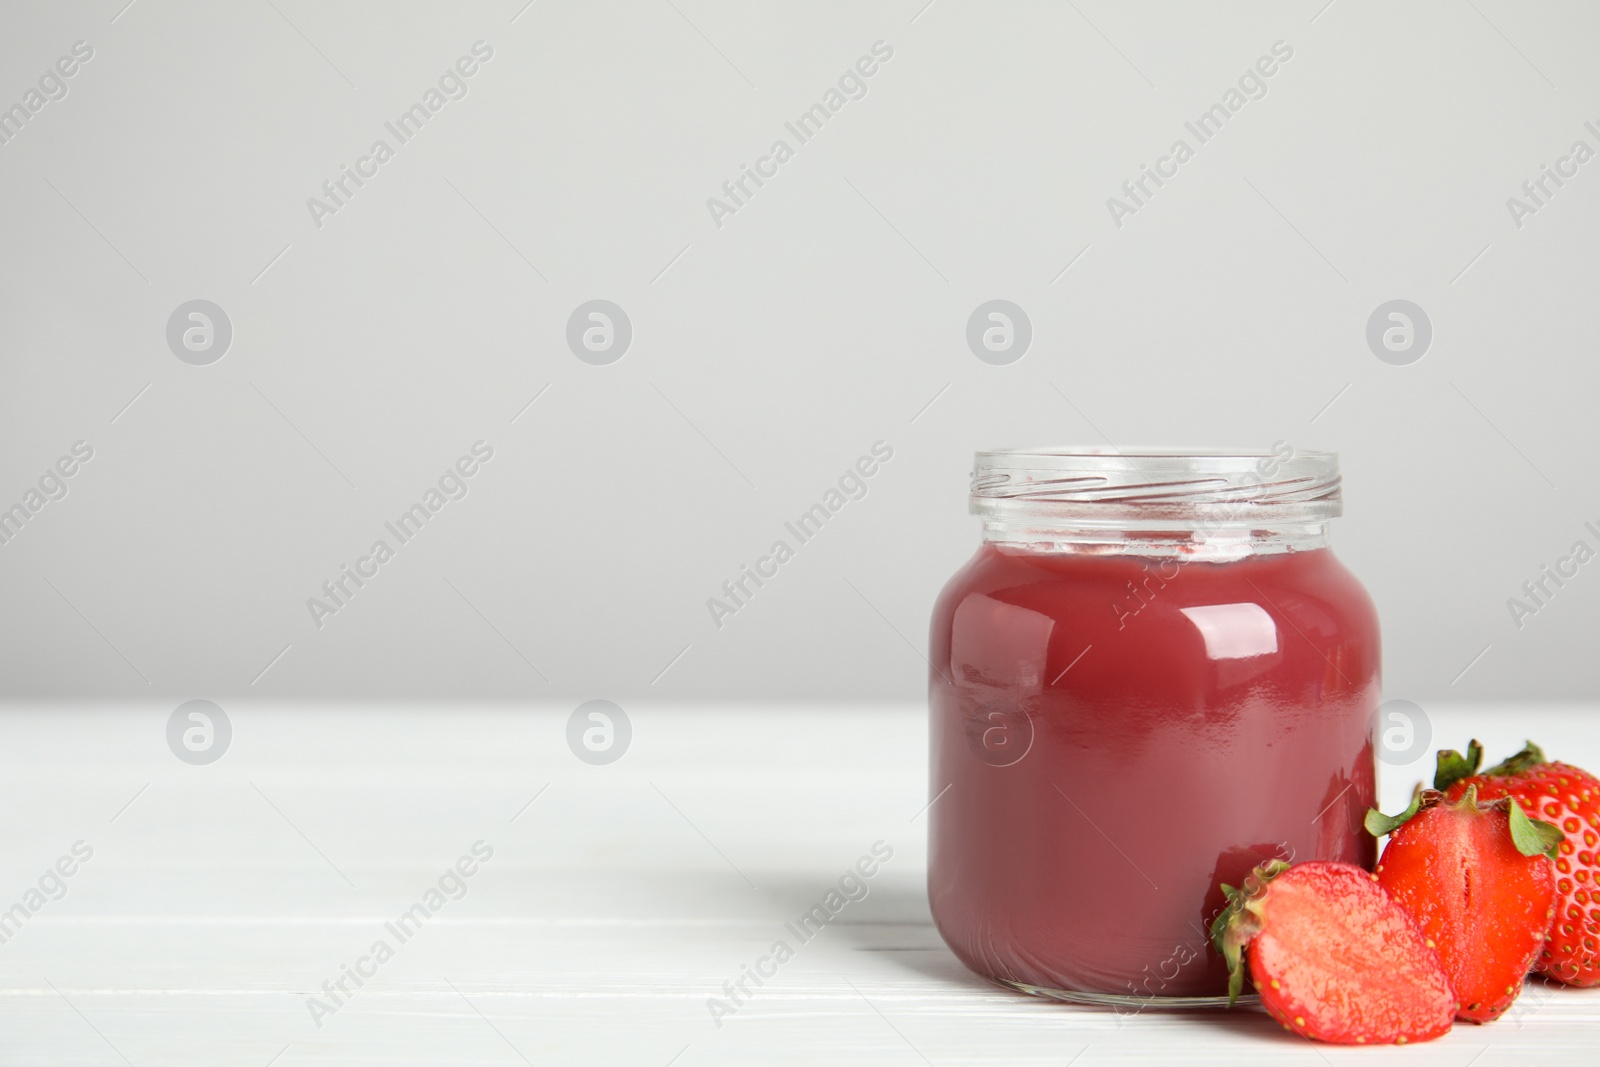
x: 1568, y: 797
x: 1479, y: 881
x: 1333, y: 956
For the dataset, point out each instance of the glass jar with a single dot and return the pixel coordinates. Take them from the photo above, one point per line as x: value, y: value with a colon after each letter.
x: 1152, y: 676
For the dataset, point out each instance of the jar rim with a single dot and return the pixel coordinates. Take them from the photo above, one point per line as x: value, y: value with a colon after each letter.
x: 1105, y: 485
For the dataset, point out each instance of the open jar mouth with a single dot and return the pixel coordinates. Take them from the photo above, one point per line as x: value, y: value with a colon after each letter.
x: 1208, y: 490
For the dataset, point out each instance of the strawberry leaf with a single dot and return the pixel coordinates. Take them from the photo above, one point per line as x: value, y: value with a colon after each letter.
x: 1533, y: 836
x: 1220, y: 923
x: 1452, y: 766
x: 1378, y: 824
x: 1531, y: 755
x: 1238, y: 923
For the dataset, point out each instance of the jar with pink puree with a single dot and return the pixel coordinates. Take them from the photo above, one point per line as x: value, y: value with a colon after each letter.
x: 1152, y: 675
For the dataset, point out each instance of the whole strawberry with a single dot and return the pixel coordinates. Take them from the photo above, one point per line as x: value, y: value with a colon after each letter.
x: 1333, y: 956
x: 1570, y: 798
x: 1478, y: 880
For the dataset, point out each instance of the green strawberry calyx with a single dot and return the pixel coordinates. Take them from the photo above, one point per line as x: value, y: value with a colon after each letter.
x: 1530, y: 756
x: 1237, y: 924
x: 1532, y: 837
x: 1452, y: 766
x: 1378, y: 824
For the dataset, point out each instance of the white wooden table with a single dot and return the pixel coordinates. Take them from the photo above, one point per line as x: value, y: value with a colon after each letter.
x: 219, y: 898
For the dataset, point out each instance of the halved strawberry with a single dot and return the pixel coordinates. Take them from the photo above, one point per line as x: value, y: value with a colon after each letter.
x: 1479, y: 881
x: 1333, y: 956
x: 1569, y: 797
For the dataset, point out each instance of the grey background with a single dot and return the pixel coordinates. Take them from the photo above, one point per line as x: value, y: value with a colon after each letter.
x: 769, y: 353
